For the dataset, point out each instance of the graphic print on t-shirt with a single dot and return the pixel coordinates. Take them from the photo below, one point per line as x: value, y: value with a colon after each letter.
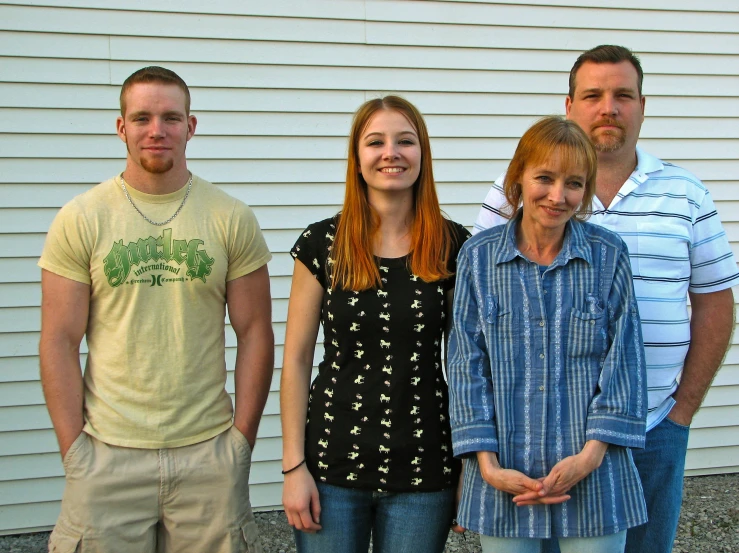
x: 160, y: 252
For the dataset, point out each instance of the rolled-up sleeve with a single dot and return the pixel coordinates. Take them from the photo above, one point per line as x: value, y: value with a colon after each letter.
x: 617, y: 413
x: 471, y: 406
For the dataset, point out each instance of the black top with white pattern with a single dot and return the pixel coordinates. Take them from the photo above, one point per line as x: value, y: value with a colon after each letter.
x: 378, y: 409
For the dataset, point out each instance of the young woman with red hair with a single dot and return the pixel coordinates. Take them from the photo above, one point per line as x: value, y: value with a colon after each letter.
x: 366, y: 446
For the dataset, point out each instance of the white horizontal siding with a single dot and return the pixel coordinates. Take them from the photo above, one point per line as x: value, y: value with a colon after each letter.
x: 16, y: 69
x: 188, y: 50
x: 228, y: 21
x: 332, y: 8
x: 20, y: 95
x: 21, y: 127
x: 24, y: 147
x: 724, y: 6
x: 274, y: 86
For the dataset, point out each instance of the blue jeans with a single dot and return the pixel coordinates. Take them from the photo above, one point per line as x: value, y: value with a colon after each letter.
x: 613, y: 543
x: 411, y: 522
x: 661, y: 466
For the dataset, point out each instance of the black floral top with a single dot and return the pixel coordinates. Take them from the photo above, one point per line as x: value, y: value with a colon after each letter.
x: 378, y: 409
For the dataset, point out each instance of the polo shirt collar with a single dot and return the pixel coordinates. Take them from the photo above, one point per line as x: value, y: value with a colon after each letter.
x: 645, y: 164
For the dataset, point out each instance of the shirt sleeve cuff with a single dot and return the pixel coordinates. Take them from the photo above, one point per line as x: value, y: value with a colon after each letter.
x: 623, y: 431
x: 471, y: 438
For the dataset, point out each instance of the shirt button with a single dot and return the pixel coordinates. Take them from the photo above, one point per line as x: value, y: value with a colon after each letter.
x: 541, y: 356
x: 545, y: 291
x: 541, y: 388
x: 592, y: 322
x: 541, y: 323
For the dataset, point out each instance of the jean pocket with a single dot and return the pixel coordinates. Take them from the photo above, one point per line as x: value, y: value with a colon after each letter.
x: 677, y: 424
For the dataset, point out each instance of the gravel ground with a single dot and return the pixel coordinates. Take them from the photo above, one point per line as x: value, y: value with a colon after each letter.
x: 709, y: 523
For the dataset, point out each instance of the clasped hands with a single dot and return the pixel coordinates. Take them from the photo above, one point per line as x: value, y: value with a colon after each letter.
x: 547, y: 490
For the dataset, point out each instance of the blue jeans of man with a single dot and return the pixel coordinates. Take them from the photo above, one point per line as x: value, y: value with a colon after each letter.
x: 661, y: 466
x: 412, y: 522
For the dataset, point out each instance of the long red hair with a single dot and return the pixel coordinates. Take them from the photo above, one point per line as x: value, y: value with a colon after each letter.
x: 354, y: 265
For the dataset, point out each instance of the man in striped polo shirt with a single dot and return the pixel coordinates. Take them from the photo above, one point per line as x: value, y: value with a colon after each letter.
x: 677, y: 247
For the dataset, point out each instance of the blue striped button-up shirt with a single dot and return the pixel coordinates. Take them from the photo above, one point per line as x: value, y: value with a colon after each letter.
x: 539, y: 363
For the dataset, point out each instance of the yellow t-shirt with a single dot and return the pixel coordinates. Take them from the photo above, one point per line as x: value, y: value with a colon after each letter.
x: 155, y: 373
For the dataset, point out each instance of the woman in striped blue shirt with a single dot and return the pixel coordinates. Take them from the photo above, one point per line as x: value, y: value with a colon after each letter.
x: 546, y: 362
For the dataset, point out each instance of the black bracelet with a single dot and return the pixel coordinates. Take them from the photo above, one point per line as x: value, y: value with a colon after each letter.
x: 300, y: 464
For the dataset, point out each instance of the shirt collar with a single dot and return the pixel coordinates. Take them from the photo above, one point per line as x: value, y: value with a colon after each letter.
x: 575, y: 243
x: 645, y: 164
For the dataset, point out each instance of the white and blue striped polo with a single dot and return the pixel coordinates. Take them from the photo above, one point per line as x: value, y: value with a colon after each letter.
x: 676, y: 245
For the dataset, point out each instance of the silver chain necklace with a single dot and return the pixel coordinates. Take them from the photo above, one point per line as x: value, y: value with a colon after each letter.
x: 176, y: 213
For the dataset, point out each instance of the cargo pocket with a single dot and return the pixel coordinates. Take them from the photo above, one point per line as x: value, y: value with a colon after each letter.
x: 64, y: 540
x: 248, y: 538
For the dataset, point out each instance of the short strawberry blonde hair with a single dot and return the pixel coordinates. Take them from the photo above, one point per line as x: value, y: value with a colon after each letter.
x: 154, y: 74
x: 545, y: 137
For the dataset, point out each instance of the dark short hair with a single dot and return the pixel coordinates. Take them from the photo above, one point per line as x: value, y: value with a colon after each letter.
x: 606, y: 53
x: 154, y: 74
x: 550, y: 135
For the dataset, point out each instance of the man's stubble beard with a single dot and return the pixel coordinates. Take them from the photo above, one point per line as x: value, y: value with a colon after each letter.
x: 154, y: 166
x: 608, y: 141
x: 612, y: 142
x: 158, y: 166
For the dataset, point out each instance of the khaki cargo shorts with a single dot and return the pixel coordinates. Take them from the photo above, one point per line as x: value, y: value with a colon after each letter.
x: 185, y: 499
